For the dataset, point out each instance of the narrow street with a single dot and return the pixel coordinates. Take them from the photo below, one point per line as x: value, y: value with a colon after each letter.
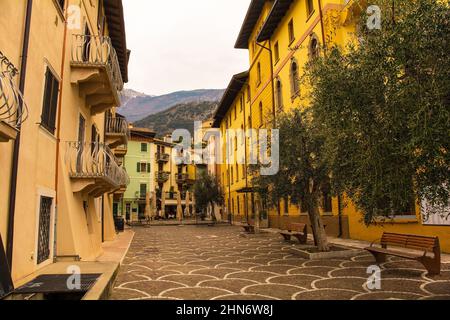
x: 209, y: 263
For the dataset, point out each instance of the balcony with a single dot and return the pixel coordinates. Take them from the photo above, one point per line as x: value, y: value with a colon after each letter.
x: 162, y: 177
x: 162, y: 157
x: 120, y: 152
x: 116, y: 131
x: 13, y: 109
x: 95, y: 69
x: 93, y: 169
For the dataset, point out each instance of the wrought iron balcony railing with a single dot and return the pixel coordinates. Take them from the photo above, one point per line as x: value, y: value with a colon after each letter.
x: 94, y: 160
x: 117, y: 131
x: 162, y: 177
x: 89, y: 50
x: 117, y: 126
x: 13, y: 109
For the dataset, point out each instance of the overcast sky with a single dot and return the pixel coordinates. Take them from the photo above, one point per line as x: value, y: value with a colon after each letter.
x: 183, y: 45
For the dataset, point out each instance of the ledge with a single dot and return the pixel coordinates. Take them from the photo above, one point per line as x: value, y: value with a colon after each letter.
x: 7, y: 132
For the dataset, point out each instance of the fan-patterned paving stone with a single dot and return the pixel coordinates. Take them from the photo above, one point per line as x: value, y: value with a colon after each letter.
x: 199, y: 263
x: 261, y: 277
x: 315, y: 271
x: 297, y: 280
x: 385, y: 295
x: 218, y: 273
x: 234, y: 285
x: 327, y: 294
x: 324, y: 263
x: 349, y: 283
x: 279, y: 269
x: 127, y: 294
x: 151, y: 287
x: 438, y: 288
x: 279, y: 291
x: 196, y: 293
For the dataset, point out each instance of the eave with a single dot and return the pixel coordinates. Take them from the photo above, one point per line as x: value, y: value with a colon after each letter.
x: 253, y: 13
x: 278, y: 12
x: 236, y: 84
x: 116, y: 25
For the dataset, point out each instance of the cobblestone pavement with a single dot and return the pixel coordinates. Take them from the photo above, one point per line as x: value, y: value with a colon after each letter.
x: 221, y: 263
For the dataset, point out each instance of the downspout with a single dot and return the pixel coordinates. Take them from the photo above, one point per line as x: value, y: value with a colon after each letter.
x: 322, y: 26
x: 58, y: 133
x: 15, y: 159
x: 273, y: 107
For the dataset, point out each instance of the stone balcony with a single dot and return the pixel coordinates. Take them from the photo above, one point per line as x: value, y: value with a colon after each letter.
x: 94, y: 170
x: 95, y: 69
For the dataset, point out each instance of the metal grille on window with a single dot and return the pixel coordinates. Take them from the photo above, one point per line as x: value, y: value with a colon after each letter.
x: 44, y: 229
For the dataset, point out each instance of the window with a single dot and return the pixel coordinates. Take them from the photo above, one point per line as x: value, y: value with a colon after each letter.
x: 143, y: 190
x: 279, y: 95
x: 51, y: 92
x: 291, y: 31
x: 249, y: 95
x: 144, y: 147
x: 235, y: 144
x: 261, y: 114
x: 258, y: 74
x: 309, y: 7
x: 276, y: 52
x: 238, y: 205
x: 143, y: 167
x: 242, y: 102
x: 235, y: 112
x: 313, y: 47
x: 327, y: 200
x: 295, y: 86
x: 237, y: 173
x: 61, y: 4
x: 232, y: 176
x: 45, y: 210
x: 286, y: 206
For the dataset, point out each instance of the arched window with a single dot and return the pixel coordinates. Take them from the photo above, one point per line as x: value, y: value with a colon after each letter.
x: 261, y: 114
x: 279, y: 94
x: 295, y: 79
x: 314, y: 49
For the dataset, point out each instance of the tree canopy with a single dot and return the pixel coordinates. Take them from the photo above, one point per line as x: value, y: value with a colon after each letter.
x: 383, y: 104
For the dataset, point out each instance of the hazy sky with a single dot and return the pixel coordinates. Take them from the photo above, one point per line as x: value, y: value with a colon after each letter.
x: 183, y: 45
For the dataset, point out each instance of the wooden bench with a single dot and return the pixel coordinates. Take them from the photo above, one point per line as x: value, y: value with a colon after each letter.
x: 298, y: 230
x: 249, y: 228
x: 422, y: 244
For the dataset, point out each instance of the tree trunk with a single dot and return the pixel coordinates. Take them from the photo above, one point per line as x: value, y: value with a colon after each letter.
x: 320, y: 236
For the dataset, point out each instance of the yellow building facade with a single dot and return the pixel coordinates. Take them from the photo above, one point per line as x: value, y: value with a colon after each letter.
x: 62, y: 166
x: 281, y: 37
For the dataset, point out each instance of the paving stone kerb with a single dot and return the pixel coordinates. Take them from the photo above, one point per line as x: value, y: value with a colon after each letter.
x: 204, y: 263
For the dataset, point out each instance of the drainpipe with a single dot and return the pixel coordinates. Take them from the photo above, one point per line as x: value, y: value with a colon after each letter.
x: 274, y: 114
x: 58, y: 132
x: 15, y: 160
x: 322, y: 26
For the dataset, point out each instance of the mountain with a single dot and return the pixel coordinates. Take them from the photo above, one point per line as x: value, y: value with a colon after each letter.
x: 181, y: 116
x: 137, y: 106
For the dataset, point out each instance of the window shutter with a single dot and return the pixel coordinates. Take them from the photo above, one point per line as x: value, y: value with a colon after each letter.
x: 138, y: 169
x: 148, y: 167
